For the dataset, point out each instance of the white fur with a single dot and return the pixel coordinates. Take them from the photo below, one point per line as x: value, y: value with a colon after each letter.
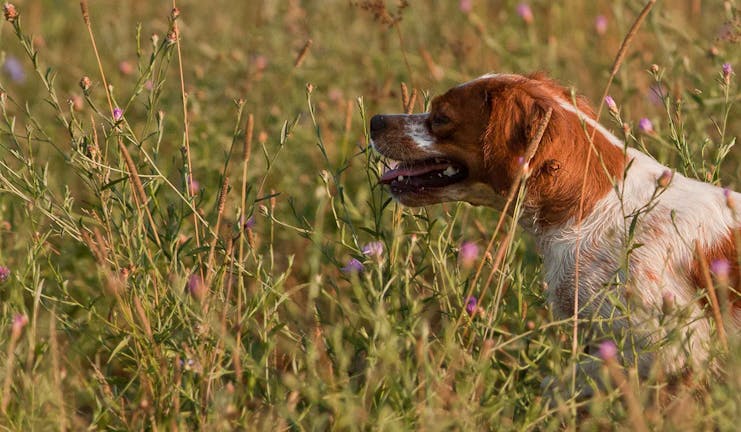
x: 684, y: 212
x: 417, y: 131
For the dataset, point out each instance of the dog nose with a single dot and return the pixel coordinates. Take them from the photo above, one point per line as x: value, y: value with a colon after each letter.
x: 377, y: 123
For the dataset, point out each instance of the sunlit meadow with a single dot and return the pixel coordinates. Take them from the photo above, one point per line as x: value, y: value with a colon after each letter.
x: 192, y: 235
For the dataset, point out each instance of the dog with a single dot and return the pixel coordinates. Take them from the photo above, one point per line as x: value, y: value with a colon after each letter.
x: 642, y: 232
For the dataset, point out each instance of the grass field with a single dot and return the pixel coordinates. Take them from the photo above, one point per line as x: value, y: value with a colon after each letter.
x: 234, y: 265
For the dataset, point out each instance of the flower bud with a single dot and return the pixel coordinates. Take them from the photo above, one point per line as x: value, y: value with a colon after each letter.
x: 11, y: 14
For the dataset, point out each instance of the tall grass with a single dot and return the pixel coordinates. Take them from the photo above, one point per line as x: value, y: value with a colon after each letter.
x: 194, y: 237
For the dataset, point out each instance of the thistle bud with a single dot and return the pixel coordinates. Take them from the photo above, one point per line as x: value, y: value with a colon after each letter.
x: 667, y: 303
x: 611, y: 105
x: 85, y: 83
x: 11, y: 14
x: 730, y: 203
x: 727, y: 72
x: 19, y: 321
x: 664, y: 179
x: 172, y: 36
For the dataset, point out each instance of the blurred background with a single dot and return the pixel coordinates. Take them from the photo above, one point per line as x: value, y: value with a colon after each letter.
x: 312, y: 202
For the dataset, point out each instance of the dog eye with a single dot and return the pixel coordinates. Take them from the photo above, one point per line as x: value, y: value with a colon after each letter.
x: 440, y: 120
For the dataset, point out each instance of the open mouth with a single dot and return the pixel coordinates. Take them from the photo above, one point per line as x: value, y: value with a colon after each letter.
x: 415, y: 176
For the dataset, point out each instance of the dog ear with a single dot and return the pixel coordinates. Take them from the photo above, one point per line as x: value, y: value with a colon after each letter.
x: 536, y: 114
x: 514, y: 118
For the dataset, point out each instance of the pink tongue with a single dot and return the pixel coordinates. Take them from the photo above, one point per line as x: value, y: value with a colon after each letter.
x: 411, y: 171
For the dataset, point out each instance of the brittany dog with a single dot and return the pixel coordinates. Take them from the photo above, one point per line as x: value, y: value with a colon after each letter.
x: 645, y: 236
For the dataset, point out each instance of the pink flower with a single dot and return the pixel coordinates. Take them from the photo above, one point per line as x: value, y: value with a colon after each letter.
x: 645, y: 125
x: 117, y: 114
x: 4, y: 274
x: 353, y: 266
x: 600, y: 24
x: 721, y: 268
x: 465, y: 6
x: 193, y: 185
x: 19, y: 321
x: 197, y: 286
x: 248, y: 224
x: 608, y: 350
x: 727, y: 72
x: 373, y: 249
x: 611, y: 105
x: 656, y: 94
x: 468, y: 253
x: 125, y: 67
x: 472, y: 305
x: 524, y: 11
x: 261, y: 62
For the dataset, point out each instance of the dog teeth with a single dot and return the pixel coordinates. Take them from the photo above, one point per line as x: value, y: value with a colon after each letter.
x: 400, y: 178
x: 450, y: 171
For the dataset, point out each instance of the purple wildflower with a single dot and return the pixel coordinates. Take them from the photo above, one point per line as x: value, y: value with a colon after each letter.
x: 721, y: 268
x: 645, y: 125
x: 727, y: 72
x: 193, y: 185
x: 656, y: 94
x: 465, y: 6
x: 608, y: 350
x: 4, y: 274
x: 353, y: 266
x: 248, y: 224
x: 524, y: 11
x: 373, y: 249
x: 197, y: 286
x: 16, y: 326
x: 611, y: 105
x: 472, y: 304
x: 14, y: 68
x: 600, y: 24
x: 468, y: 253
x: 117, y: 114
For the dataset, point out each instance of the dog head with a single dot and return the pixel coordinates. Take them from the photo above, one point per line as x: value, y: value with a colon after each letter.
x: 471, y: 146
